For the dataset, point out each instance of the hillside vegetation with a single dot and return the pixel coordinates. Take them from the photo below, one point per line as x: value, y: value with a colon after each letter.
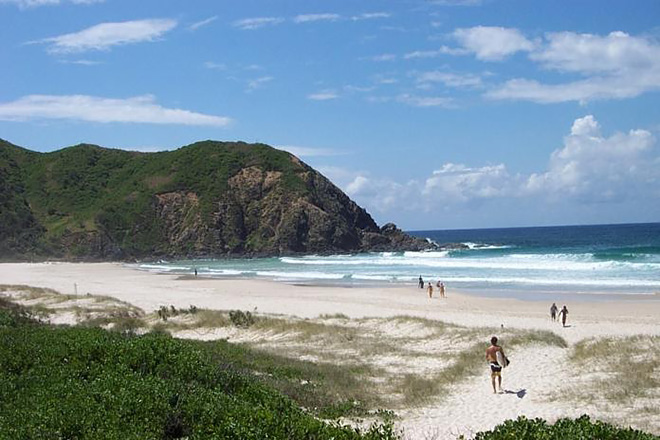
x: 205, y: 199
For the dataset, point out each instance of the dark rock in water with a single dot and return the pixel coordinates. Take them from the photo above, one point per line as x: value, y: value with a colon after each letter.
x: 392, y: 239
x: 208, y: 199
x: 453, y: 246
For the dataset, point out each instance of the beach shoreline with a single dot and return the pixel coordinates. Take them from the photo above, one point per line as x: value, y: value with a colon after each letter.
x: 149, y: 291
x: 536, y: 373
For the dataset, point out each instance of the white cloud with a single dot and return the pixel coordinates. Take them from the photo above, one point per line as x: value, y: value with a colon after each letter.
x: 491, y: 43
x: 459, y: 183
x: 595, y: 168
x: 202, y: 23
x: 105, y: 35
x: 308, y: 18
x: 257, y: 22
x: 215, y: 66
x: 371, y: 16
x: 139, y: 109
x: 468, y: 80
x: 257, y: 83
x: 36, y: 3
x: 586, y: 53
x: 615, y: 66
x: 324, y: 95
x: 589, y: 169
x: 382, y: 195
x: 444, y: 50
x: 383, y: 57
x: 82, y: 62
x: 425, y: 101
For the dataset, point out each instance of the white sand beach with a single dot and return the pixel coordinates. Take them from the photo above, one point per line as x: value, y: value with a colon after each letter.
x: 534, y: 383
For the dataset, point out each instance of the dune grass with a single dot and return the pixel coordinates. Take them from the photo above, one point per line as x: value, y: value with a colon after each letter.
x: 359, y: 365
x: 619, y: 374
x: 631, y: 366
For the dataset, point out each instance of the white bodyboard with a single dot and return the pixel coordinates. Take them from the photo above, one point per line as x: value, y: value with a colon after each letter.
x: 501, y: 359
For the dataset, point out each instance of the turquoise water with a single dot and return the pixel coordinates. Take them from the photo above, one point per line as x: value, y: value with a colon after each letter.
x: 579, y: 260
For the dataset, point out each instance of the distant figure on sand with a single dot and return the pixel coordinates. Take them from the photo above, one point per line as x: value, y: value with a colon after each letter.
x: 421, y: 282
x: 195, y: 271
x: 553, y: 311
x: 442, y: 290
x: 563, y: 312
x: 495, y: 366
x: 430, y: 290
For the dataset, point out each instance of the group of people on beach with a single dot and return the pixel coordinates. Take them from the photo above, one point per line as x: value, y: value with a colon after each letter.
x: 429, y: 288
x: 563, y: 312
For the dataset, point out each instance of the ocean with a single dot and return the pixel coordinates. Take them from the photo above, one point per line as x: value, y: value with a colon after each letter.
x: 531, y: 263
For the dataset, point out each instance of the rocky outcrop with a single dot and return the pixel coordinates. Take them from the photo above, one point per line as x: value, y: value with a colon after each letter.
x: 208, y: 199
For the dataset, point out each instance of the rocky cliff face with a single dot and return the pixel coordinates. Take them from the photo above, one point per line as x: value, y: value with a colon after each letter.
x: 208, y: 199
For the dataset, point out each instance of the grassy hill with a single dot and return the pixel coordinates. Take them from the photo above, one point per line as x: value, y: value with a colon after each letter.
x: 205, y: 199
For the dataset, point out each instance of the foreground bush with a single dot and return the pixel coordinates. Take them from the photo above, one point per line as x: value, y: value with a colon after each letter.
x: 564, y: 429
x: 82, y: 383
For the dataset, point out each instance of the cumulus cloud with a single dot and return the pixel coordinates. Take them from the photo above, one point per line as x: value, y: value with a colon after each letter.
x: 138, y: 109
x: 588, y: 169
x: 615, y: 66
x: 383, y: 195
x: 459, y: 183
x: 587, y: 53
x: 106, y: 35
x: 491, y: 43
x: 597, y: 168
x: 257, y: 22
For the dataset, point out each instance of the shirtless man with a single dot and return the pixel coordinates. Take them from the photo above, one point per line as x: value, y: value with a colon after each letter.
x: 495, y: 368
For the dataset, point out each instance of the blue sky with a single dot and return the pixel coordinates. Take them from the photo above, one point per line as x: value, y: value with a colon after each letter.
x: 432, y: 114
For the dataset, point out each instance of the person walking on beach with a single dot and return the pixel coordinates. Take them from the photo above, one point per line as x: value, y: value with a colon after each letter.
x: 495, y: 367
x: 430, y: 290
x: 563, y: 312
x: 553, y: 312
x: 442, y: 290
x: 421, y: 282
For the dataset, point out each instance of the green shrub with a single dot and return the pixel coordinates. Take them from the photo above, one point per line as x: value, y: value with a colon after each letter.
x: 581, y: 428
x: 89, y: 383
x: 241, y: 319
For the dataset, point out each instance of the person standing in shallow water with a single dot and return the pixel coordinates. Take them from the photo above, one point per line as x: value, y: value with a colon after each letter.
x: 421, y: 282
x: 553, y: 312
x: 563, y: 312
